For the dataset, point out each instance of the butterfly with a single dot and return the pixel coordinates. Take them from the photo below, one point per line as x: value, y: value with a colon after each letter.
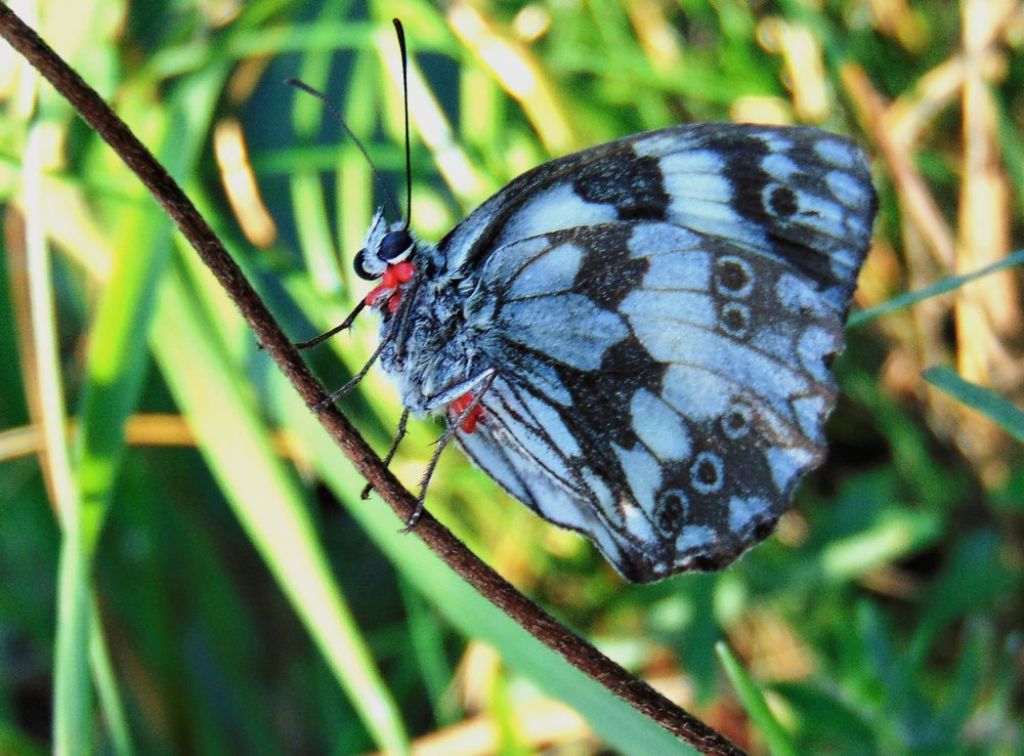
x: 634, y: 340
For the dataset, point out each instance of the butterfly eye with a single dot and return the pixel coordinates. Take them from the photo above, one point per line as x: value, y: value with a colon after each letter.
x: 395, y: 246
x: 359, y: 263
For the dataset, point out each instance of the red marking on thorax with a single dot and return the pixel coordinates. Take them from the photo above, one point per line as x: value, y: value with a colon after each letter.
x: 388, y: 291
x: 459, y: 406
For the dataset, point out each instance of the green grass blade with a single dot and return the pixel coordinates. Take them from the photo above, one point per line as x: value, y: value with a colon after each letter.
x: 72, y: 725
x: 984, y: 400
x: 117, y: 364
x: 267, y: 502
x: 308, y: 199
x: 895, y: 535
x: 938, y: 288
x: 72, y: 703
x: 111, y: 705
x: 771, y: 730
x: 427, y: 637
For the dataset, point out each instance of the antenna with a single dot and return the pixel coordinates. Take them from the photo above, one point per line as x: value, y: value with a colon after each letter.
x: 405, y: 96
x: 337, y: 116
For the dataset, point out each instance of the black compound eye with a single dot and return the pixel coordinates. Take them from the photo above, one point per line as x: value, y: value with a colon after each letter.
x: 394, y: 245
x: 359, y: 263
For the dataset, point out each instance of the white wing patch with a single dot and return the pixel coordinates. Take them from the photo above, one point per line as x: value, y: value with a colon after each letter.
x: 556, y: 208
x: 659, y: 427
x: 698, y: 393
x: 678, y: 271
x: 671, y: 306
x: 568, y: 328
x: 744, y: 511
x: 553, y: 271
x: 653, y: 239
x: 787, y: 463
x: 643, y: 474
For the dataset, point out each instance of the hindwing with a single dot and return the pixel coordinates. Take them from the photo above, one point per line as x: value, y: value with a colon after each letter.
x: 661, y: 390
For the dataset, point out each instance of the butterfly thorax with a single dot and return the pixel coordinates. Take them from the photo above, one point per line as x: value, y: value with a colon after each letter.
x: 431, y: 341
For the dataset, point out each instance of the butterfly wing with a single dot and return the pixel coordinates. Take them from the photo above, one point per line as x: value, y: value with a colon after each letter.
x: 663, y: 380
x: 796, y: 192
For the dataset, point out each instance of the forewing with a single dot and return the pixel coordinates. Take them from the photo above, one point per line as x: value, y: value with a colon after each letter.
x: 795, y: 192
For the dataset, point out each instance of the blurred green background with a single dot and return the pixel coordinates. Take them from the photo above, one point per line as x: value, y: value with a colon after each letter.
x: 221, y: 586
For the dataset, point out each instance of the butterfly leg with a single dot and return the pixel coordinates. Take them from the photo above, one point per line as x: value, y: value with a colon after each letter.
x: 402, y: 313
x: 399, y: 435
x: 342, y: 326
x: 471, y: 409
x: 351, y: 383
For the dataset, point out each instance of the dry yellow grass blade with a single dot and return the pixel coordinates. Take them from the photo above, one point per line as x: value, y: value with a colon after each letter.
x: 913, y: 112
x: 655, y: 34
x: 988, y: 309
x: 927, y: 240
x: 804, y: 71
x: 918, y: 204
x: 761, y: 109
x: 928, y: 250
x: 518, y: 72
x: 240, y: 186
x: 17, y: 270
x: 770, y: 647
x: 539, y: 723
x: 142, y: 429
x: 986, y: 312
x: 895, y: 18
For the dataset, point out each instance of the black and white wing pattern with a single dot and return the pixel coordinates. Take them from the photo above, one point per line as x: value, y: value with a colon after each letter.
x: 661, y: 312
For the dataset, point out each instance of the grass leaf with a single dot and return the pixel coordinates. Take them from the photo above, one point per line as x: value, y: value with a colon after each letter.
x: 984, y: 400
x: 774, y: 734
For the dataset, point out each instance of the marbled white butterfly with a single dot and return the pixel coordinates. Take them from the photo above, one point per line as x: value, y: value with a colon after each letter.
x: 634, y: 340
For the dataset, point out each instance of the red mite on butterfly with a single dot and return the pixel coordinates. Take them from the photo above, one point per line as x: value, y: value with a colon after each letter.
x: 459, y: 406
x: 394, y: 276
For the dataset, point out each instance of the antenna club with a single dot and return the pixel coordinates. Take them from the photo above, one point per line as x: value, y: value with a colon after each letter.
x: 400, y: 32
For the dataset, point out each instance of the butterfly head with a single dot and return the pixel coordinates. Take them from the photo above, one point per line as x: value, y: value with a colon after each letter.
x: 385, y: 255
